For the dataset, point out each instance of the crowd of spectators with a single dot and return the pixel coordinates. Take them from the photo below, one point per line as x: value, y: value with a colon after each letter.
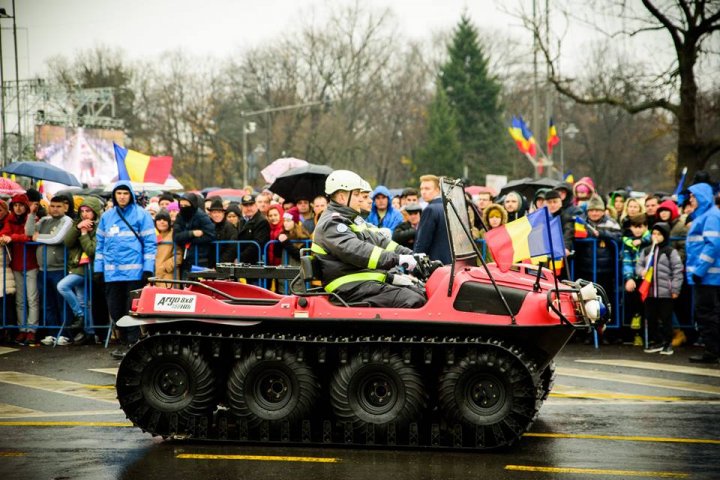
x: 104, y: 248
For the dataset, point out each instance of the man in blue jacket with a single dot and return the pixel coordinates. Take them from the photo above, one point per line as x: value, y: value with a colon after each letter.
x: 432, y: 235
x: 382, y: 214
x: 124, y: 256
x: 703, y: 269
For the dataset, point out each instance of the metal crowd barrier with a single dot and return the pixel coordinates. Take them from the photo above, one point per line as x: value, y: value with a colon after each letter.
x: 90, y: 325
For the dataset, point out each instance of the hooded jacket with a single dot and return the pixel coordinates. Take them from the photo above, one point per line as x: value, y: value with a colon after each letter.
x: 703, y: 240
x: 667, y: 277
x: 77, y: 244
x: 392, y: 217
x: 349, y: 252
x: 23, y: 257
x: 197, y: 249
x: 522, y: 207
x: 586, y: 181
x: 118, y: 253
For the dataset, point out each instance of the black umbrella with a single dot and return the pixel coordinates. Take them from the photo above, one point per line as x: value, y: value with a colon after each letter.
x: 305, y: 182
x: 42, y: 171
x: 528, y: 186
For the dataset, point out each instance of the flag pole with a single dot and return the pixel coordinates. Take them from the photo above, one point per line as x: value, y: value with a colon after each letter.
x: 552, y: 250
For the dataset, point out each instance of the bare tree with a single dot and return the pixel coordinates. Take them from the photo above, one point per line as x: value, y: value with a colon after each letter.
x: 691, y: 26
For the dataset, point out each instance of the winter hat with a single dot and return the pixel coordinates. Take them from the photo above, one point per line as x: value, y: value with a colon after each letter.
x: 671, y: 207
x: 173, y: 207
x: 664, y: 229
x: 233, y: 208
x: 21, y: 198
x: 33, y: 195
x: 192, y: 198
x: 638, y: 220
x: 216, y: 204
x: 413, y: 207
x: 552, y: 194
x: 595, y: 203
x: 494, y: 213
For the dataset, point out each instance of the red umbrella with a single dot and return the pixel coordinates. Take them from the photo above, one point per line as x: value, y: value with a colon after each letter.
x: 8, y: 187
x: 227, y: 193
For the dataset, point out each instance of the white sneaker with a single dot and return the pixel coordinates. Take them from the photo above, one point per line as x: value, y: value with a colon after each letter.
x: 63, y: 341
x: 48, y: 340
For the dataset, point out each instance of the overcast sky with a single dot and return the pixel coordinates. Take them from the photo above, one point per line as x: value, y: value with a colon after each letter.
x: 145, y: 28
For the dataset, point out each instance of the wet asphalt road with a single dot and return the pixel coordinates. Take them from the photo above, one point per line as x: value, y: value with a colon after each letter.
x: 608, y: 417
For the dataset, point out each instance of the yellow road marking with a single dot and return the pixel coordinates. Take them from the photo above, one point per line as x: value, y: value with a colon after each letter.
x: 81, y: 413
x: 57, y: 386
x: 261, y: 458
x: 661, y: 367
x: 12, y: 454
x: 65, y: 424
x: 639, y: 380
x: 4, y: 350
x: 624, y: 438
x: 561, y: 391
x: 596, y: 471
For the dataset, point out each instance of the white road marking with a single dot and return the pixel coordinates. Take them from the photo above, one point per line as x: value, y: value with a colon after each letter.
x: 109, y: 371
x: 660, y: 367
x: 4, y: 350
x: 12, y: 411
x: 639, y: 380
x: 58, y: 386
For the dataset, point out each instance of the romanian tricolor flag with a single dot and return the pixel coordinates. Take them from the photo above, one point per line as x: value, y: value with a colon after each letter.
x: 523, y: 137
x: 552, y: 138
x: 138, y: 167
x: 644, y: 288
x: 528, y: 237
x: 580, y: 228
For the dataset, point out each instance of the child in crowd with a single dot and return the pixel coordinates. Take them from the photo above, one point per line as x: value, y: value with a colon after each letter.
x: 494, y: 216
x: 633, y: 244
x: 665, y: 284
x: 169, y: 256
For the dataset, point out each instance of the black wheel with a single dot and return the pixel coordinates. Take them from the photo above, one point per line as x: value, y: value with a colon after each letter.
x: 377, y: 392
x: 495, y: 396
x: 271, y: 389
x: 161, y: 384
x: 547, y: 381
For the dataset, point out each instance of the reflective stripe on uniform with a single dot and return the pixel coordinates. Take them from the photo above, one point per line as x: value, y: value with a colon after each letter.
x: 358, y: 228
x: 354, y: 277
x: 315, y: 248
x: 374, y: 257
x: 695, y: 238
x: 706, y: 258
x: 392, y: 246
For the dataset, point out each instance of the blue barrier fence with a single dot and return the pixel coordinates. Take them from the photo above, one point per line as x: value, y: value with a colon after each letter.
x: 64, y: 316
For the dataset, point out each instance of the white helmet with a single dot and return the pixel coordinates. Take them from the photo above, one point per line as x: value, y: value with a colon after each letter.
x: 366, y: 188
x: 343, y: 180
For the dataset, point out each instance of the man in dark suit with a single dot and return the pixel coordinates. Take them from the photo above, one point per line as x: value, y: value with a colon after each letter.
x: 253, y: 226
x: 432, y: 235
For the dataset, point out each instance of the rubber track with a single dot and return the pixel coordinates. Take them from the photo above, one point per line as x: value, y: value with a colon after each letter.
x: 221, y: 426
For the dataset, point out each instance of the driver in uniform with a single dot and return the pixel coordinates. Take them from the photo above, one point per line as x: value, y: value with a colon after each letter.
x: 354, y: 260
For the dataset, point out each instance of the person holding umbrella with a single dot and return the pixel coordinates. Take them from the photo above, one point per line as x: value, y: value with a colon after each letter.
x: 354, y: 260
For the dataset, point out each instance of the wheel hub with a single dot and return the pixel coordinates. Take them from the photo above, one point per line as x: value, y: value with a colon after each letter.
x: 274, y: 388
x: 485, y: 393
x: 380, y: 392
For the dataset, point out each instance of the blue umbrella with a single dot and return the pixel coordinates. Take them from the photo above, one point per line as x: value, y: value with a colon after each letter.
x: 42, y: 171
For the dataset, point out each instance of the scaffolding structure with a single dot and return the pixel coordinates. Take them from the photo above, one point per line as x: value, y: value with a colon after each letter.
x: 29, y: 103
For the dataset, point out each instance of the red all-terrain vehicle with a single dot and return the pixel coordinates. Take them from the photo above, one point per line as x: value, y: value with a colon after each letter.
x: 223, y: 360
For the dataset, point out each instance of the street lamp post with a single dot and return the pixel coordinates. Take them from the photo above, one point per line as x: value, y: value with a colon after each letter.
x: 570, y: 130
x: 248, y: 127
x: 4, y: 14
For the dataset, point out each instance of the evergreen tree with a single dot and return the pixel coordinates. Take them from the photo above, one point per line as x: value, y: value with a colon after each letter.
x: 441, y: 153
x: 473, y: 95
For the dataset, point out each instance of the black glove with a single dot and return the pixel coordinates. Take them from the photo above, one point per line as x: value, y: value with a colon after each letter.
x: 146, y: 277
x: 697, y: 279
x: 98, y: 277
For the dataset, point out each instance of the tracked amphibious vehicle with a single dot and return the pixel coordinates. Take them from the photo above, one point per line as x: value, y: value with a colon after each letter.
x: 228, y: 361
